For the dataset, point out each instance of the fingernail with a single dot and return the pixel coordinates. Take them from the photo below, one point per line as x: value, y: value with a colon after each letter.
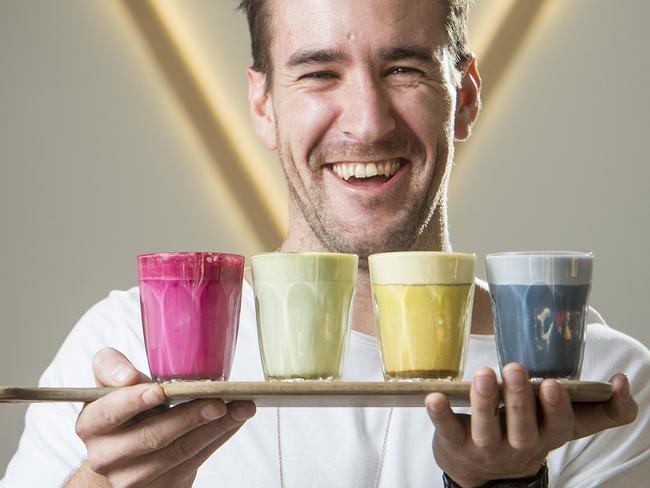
x: 151, y: 397
x: 625, y: 392
x: 121, y: 373
x: 551, y: 393
x: 241, y: 413
x: 435, y: 406
x: 515, y: 379
x: 212, y: 412
x: 484, y: 384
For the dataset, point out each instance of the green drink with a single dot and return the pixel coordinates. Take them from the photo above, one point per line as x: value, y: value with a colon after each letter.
x: 423, y: 307
x: 303, y: 313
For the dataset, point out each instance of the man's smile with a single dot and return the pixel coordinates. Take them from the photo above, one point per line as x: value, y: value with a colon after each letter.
x: 361, y: 169
x: 370, y: 179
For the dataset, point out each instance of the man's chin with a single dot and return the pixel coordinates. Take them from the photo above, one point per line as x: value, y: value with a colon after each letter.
x: 365, y: 233
x: 378, y: 243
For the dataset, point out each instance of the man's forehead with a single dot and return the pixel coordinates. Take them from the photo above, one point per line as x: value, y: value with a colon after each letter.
x: 346, y: 24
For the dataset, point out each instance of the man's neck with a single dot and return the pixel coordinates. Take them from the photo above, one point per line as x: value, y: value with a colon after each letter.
x: 435, y: 238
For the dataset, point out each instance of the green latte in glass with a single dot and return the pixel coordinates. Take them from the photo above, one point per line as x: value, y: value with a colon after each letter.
x: 302, y: 302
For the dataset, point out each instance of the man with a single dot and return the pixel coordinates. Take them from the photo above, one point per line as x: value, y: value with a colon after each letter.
x: 380, y: 89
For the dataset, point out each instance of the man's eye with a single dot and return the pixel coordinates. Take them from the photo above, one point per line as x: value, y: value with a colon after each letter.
x: 319, y: 75
x: 404, y: 70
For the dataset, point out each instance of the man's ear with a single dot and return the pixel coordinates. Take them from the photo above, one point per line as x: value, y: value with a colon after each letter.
x: 261, y: 107
x: 468, y: 99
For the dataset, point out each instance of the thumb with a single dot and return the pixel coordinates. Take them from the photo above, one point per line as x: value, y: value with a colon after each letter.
x: 111, y: 368
x: 620, y: 409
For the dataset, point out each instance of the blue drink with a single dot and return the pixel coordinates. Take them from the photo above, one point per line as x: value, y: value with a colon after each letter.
x: 541, y: 327
x: 539, y: 309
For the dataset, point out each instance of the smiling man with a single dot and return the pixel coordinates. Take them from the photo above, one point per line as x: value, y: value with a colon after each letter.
x: 363, y: 112
x: 363, y: 100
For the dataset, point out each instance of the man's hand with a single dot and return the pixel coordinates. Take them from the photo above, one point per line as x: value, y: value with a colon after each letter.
x: 134, y: 440
x: 487, y: 446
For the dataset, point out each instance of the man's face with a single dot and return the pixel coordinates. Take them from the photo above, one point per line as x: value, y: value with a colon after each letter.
x: 363, y: 104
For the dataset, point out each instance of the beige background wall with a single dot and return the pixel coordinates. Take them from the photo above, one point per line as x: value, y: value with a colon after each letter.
x: 99, y: 163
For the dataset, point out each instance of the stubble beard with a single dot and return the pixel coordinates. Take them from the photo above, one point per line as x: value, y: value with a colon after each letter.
x: 417, y: 218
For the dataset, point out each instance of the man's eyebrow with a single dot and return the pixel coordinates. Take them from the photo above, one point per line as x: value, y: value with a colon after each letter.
x: 399, y: 53
x: 315, y: 56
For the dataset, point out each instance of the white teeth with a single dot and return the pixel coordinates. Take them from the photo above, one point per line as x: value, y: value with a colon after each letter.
x: 365, y: 170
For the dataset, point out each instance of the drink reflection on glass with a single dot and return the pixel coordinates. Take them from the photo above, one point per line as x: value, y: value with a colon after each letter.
x: 190, y: 304
x: 303, y: 303
x: 539, y: 308
x: 423, y: 308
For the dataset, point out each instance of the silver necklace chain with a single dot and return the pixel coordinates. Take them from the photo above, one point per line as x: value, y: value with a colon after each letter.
x: 380, y: 462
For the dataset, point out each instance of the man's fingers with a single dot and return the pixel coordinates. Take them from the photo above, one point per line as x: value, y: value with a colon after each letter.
x: 159, y: 431
x: 118, y: 407
x: 484, y: 397
x: 185, y: 472
x: 141, y: 417
x: 557, y: 425
x: 190, y: 444
x: 111, y: 368
x: 447, y: 424
x: 620, y: 409
x: 180, y: 454
x: 521, y: 419
x: 180, y: 473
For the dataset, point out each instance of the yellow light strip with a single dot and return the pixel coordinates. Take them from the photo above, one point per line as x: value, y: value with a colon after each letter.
x: 501, y: 43
x: 504, y: 46
x: 537, y: 23
x: 215, y: 187
x: 181, y: 74
x: 486, y: 20
x: 260, y: 165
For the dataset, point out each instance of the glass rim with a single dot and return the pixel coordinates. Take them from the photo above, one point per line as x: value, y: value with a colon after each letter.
x: 302, y: 253
x: 568, y: 254
x: 398, y: 254
x: 172, y: 254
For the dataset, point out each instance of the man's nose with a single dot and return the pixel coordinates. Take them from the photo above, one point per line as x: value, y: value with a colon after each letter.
x: 366, y: 112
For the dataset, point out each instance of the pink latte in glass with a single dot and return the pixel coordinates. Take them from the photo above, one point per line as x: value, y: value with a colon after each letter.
x: 190, y: 304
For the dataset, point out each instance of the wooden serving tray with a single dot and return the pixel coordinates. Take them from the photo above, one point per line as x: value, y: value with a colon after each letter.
x: 302, y: 393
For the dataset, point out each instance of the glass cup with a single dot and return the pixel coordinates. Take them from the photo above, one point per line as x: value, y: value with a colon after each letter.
x: 423, y: 307
x: 190, y: 304
x: 539, y: 308
x: 303, y: 303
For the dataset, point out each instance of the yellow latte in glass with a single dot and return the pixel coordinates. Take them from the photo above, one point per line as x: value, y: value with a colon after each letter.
x: 422, y: 329
x: 423, y: 309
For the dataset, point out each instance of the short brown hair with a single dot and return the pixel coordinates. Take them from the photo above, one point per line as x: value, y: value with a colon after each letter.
x: 259, y: 25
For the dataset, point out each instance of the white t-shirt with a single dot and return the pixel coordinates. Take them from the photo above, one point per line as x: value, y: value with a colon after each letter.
x: 325, y: 447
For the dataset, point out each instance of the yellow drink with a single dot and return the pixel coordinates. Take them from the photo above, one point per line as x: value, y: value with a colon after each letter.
x: 423, y: 308
x: 422, y: 329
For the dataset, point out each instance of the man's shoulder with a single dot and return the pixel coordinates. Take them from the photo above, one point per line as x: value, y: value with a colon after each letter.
x: 603, y: 335
x: 115, y: 316
x: 112, y: 322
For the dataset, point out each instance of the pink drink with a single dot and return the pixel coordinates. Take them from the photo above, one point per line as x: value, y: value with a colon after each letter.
x: 190, y: 313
